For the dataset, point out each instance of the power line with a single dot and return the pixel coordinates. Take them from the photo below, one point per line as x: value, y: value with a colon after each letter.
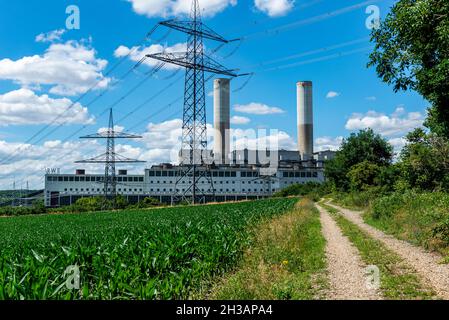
x: 319, y: 18
x: 74, y: 103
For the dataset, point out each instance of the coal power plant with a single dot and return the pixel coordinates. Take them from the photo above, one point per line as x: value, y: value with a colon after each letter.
x: 231, y: 175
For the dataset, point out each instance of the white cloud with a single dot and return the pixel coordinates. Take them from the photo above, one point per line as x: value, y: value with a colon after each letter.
x: 166, y: 8
x: 328, y: 143
x: 30, y: 166
x: 258, y: 109
x: 240, y: 120
x: 51, y: 36
x: 332, y: 94
x: 274, y: 8
x: 69, y: 68
x: 396, y: 124
x: 116, y: 129
x: 397, y: 143
x: 261, y: 140
x: 24, y: 107
x: 162, y: 141
x: 137, y: 53
x: 372, y: 98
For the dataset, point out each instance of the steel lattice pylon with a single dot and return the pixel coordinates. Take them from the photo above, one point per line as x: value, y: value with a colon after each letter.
x: 110, y: 158
x: 193, y: 167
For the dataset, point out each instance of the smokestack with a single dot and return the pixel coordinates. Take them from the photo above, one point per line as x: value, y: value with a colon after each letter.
x: 222, y: 115
x: 305, y: 119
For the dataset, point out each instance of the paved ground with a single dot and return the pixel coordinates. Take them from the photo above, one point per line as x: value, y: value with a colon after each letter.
x: 424, y: 262
x: 345, y: 267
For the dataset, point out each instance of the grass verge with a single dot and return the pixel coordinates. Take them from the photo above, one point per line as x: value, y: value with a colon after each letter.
x: 286, y: 262
x: 420, y: 218
x: 398, y: 280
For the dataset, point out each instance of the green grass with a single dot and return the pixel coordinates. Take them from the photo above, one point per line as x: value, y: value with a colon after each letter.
x: 287, y: 261
x: 420, y: 218
x: 168, y: 253
x: 398, y: 281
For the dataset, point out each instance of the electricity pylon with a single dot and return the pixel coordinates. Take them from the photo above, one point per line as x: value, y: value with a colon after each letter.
x: 110, y: 158
x: 193, y: 166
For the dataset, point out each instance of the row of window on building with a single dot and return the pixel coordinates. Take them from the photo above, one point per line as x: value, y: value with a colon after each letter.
x: 90, y: 179
x: 302, y: 174
x: 99, y: 190
x: 217, y: 182
x: 215, y: 190
x: 216, y: 174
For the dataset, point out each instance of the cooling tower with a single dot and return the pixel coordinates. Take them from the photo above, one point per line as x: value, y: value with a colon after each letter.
x: 222, y: 115
x: 305, y: 119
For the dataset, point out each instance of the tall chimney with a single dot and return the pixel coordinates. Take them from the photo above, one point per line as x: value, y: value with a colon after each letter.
x: 222, y: 115
x: 305, y: 119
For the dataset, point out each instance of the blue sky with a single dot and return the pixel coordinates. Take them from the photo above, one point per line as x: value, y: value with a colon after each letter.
x: 325, y: 41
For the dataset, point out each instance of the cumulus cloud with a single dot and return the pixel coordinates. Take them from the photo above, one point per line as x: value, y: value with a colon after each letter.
x: 397, y: 143
x: 116, y: 129
x: 328, y: 143
x: 332, y: 94
x: 24, y: 107
x: 261, y: 140
x: 166, y: 8
x: 398, y: 123
x: 257, y: 109
x: 68, y: 68
x: 163, y: 141
x: 274, y: 8
x: 240, y: 120
x: 31, y: 165
x: 137, y: 53
x: 51, y: 36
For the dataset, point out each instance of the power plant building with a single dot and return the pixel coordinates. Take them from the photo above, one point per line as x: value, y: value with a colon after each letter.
x: 237, y: 175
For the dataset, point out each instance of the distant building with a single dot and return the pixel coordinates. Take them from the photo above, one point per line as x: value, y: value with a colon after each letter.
x: 245, y: 174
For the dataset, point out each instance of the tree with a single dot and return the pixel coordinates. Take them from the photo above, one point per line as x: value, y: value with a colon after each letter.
x: 363, y: 175
x: 412, y: 53
x: 424, y: 161
x: 359, y: 147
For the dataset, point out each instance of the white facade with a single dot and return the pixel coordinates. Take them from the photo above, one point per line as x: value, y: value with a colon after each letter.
x: 230, y: 183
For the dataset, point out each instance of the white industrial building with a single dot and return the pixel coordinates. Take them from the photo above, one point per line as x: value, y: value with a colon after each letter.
x: 236, y: 175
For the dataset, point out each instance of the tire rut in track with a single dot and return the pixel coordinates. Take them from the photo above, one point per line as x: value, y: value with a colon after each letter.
x: 427, y: 264
x: 345, y: 267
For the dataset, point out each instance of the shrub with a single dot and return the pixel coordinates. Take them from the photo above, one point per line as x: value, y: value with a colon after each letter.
x: 422, y: 218
x: 358, y: 199
x: 148, y: 203
x: 313, y: 190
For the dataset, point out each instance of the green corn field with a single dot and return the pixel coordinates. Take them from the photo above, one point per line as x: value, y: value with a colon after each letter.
x: 167, y: 253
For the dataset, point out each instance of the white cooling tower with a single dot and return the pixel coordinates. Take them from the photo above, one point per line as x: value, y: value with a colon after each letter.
x: 305, y: 119
x: 222, y: 116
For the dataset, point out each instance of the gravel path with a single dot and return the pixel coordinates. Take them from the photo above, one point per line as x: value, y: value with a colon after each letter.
x: 424, y: 262
x: 345, y: 268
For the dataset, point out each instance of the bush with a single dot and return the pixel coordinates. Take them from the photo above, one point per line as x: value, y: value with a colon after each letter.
x: 38, y: 207
x: 358, y: 199
x: 147, y: 203
x: 313, y: 190
x: 422, y: 218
